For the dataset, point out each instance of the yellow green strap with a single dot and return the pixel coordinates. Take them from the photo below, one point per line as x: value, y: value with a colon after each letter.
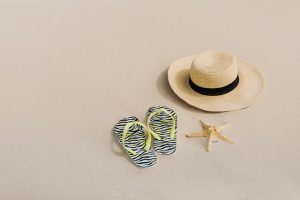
x: 148, y: 140
x: 155, y: 135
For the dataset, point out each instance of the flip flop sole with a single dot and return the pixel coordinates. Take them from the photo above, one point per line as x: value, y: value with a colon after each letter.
x: 135, y: 140
x: 161, y: 124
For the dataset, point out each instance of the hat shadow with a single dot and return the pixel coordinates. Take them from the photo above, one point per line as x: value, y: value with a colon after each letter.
x: 166, y: 91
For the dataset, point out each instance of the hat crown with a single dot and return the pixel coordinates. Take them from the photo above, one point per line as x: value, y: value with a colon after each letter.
x: 213, y: 69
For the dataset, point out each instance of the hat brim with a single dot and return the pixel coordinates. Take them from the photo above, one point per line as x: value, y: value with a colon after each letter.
x: 251, y: 84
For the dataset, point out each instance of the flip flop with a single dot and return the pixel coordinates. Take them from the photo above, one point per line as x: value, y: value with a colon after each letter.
x: 135, y: 138
x: 162, y: 124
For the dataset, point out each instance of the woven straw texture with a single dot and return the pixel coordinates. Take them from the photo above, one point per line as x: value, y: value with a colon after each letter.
x: 206, y: 71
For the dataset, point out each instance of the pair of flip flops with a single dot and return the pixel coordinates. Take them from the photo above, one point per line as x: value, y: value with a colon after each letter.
x: 136, y: 137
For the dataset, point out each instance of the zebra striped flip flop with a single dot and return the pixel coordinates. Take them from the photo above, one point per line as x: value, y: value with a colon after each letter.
x: 162, y: 123
x: 136, y: 141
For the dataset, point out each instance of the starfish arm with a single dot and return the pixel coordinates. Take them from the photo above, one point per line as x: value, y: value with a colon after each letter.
x: 222, y: 137
x: 220, y: 128
x: 209, y: 139
x: 203, y: 125
x: 195, y: 134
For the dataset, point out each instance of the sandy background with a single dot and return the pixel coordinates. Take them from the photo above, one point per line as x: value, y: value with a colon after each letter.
x: 69, y: 70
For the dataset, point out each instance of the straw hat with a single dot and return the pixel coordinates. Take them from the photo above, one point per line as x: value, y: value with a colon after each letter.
x: 215, y: 81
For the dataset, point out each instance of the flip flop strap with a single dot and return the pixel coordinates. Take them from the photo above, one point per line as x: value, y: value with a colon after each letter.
x: 155, y: 135
x: 125, y: 131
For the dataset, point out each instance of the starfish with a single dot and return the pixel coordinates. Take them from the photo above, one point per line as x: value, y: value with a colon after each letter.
x: 209, y: 131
